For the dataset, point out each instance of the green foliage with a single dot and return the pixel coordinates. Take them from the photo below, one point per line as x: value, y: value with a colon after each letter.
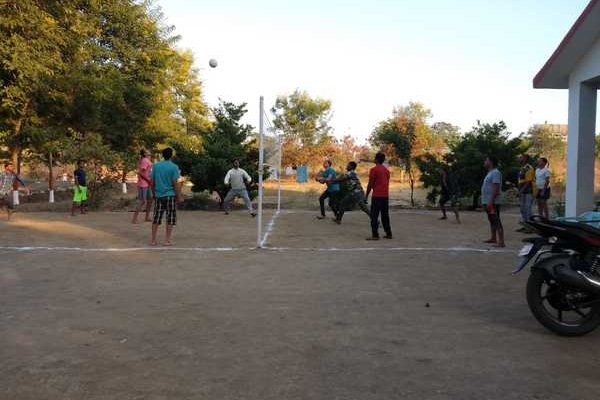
x: 466, y: 156
x: 304, y: 122
x: 464, y: 162
x: 228, y: 139
x: 107, y: 69
x: 407, y: 132
x: 429, y: 165
x: 544, y: 144
x: 447, y: 133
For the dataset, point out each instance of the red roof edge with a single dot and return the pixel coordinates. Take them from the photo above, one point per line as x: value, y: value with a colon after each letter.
x: 565, y: 42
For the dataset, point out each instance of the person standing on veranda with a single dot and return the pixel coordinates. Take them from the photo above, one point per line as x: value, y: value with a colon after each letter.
x: 526, y: 187
x: 237, y: 179
x: 144, y: 184
x: 379, y: 184
x: 542, y: 183
x: 167, y: 193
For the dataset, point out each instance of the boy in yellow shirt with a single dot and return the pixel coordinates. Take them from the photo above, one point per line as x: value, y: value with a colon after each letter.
x: 526, y: 189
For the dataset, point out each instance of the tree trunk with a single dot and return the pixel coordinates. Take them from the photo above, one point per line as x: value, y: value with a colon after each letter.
x: 15, y: 148
x: 412, y: 187
x: 50, y: 173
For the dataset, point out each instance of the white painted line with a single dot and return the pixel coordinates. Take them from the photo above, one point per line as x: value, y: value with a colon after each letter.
x: 395, y: 212
x: 393, y: 249
x: 121, y: 250
x: 269, y: 229
x: 235, y: 249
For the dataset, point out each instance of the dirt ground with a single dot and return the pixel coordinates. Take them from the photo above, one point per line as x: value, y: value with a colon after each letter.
x: 88, y: 311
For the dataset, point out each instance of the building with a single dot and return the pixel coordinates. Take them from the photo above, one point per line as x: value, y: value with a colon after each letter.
x: 575, y: 65
x: 556, y: 130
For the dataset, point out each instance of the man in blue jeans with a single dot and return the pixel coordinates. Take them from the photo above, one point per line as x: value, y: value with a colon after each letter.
x: 167, y: 193
x: 526, y: 184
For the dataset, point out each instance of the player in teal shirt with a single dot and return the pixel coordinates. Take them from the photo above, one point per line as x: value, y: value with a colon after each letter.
x: 333, y: 189
x: 167, y: 193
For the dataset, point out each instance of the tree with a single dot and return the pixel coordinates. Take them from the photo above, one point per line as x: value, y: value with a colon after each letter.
x: 544, y: 143
x: 304, y: 122
x: 104, y: 69
x: 429, y: 166
x: 466, y: 156
x: 409, y: 134
x: 33, y: 40
x: 447, y: 133
x: 228, y: 139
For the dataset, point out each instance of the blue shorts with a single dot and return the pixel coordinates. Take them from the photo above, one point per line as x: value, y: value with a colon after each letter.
x: 144, y: 193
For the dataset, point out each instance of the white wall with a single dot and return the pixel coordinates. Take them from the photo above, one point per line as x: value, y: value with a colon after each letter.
x: 582, y: 131
x: 589, y: 66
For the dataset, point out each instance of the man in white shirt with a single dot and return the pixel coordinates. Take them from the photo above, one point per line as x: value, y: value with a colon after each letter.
x: 237, y: 179
x: 542, y: 183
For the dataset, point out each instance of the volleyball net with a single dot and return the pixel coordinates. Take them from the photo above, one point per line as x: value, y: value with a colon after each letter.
x: 269, y: 175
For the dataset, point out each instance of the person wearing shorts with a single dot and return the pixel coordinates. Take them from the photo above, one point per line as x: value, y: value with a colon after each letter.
x: 8, y: 181
x: 167, y: 193
x: 542, y: 183
x: 491, y: 199
x: 80, y: 189
x: 143, y: 185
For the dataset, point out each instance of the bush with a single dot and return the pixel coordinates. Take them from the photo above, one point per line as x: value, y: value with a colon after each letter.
x: 199, y: 201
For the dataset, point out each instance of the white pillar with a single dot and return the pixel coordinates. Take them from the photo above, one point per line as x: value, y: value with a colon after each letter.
x: 581, y: 146
x: 124, y: 187
x: 51, y: 196
x: 261, y: 151
x: 15, y: 197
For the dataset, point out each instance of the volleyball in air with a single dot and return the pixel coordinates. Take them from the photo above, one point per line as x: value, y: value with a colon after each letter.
x: 213, y: 63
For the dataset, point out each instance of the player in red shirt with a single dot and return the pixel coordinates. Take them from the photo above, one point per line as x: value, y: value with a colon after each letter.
x: 379, y: 183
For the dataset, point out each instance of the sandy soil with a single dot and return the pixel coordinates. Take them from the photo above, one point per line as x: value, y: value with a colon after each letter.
x: 295, y: 321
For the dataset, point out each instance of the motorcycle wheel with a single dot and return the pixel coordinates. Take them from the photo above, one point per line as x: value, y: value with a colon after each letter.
x: 548, y: 303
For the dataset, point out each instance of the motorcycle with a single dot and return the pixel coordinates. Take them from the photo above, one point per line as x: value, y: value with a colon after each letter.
x: 563, y: 289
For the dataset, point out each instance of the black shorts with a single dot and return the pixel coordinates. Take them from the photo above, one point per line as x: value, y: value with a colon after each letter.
x: 6, y: 202
x: 543, y: 194
x: 164, y: 205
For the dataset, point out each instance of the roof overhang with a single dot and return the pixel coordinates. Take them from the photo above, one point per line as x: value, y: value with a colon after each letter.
x: 582, y: 36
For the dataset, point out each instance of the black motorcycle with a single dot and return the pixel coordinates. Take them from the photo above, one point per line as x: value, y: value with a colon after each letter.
x: 563, y: 290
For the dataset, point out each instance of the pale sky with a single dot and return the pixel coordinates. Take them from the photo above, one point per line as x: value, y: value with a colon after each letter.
x: 467, y: 60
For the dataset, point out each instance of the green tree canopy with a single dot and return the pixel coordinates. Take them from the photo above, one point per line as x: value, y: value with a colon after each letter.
x: 304, y: 121
x: 227, y: 140
x: 466, y: 156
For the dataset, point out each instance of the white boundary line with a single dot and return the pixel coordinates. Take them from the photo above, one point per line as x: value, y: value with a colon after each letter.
x: 276, y: 249
x: 269, y: 230
x: 405, y: 211
x: 393, y: 249
x: 120, y: 250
